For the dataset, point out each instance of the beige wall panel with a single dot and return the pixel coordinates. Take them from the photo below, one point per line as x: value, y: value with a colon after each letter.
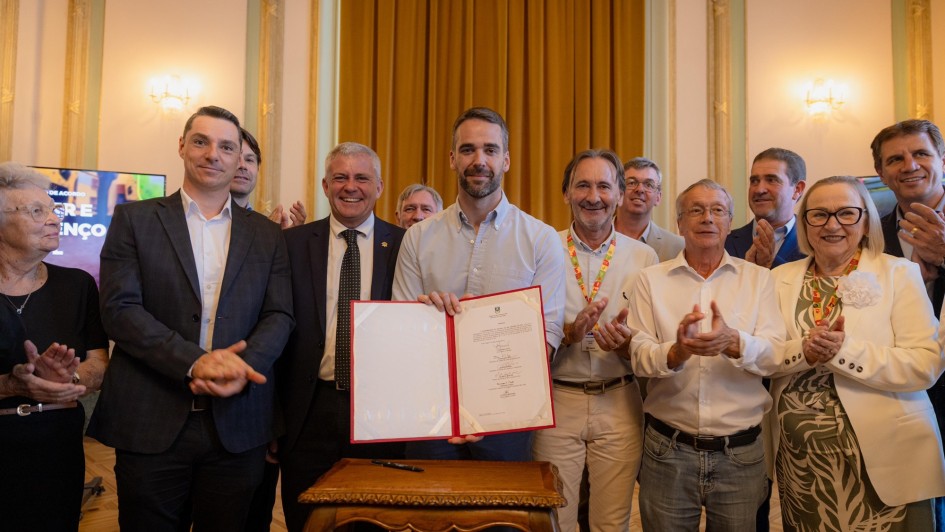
x: 295, y: 105
x: 202, y: 41
x: 38, y: 96
x: 691, y: 96
x: 791, y: 45
x: 938, y: 61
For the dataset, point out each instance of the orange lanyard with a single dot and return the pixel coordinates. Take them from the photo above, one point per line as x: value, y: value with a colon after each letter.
x: 572, y: 252
x: 822, y: 312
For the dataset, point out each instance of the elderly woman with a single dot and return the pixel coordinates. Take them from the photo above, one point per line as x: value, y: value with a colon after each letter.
x: 55, y: 308
x: 855, y: 440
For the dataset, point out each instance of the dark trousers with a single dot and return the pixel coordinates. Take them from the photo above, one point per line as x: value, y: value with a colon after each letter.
x: 158, y: 492
x: 260, y: 509
x: 42, y: 470
x: 325, y: 439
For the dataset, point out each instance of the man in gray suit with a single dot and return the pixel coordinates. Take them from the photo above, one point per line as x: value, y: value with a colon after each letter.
x: 195, y: 292
x: 634, y: 217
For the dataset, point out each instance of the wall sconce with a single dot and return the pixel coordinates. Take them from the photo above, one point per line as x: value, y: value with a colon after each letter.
x: 824, y: 97
x: 170, y: 92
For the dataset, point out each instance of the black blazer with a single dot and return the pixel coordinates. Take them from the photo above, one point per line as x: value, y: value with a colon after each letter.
x: 894, y: 248
x: 151, y: 308
x: 739, y: 242
x: 308, y: 256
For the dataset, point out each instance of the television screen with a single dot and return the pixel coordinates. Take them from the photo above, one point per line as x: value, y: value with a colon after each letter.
x: 89, y: 198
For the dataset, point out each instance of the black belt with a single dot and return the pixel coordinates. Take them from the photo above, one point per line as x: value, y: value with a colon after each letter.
x: 705, y: 443
x: 201, y: 403
x: 596, y: 387
x: 27, y: 409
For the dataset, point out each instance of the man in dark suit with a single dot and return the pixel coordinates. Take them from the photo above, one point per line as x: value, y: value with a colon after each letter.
x: 196, y: 295
x: 311, y: 378
x: 908, y: 157
x: 777, y: 180
x: 775, y: 184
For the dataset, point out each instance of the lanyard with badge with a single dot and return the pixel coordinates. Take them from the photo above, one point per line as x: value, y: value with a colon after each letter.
x: 588, y: 343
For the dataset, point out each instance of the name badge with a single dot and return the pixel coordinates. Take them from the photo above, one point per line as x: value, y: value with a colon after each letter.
x: 589, y: 344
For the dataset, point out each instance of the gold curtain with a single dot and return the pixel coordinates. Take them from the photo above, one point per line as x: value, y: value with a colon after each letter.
x: 567, y: 75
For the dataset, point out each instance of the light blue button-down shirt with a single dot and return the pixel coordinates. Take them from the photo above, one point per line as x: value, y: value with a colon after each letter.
x: 512, y: 250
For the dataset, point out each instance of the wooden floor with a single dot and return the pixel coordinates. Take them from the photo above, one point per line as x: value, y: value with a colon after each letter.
x: 101, y: 512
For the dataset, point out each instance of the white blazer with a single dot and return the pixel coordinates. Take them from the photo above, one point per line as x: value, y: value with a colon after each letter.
x: 889, y: 357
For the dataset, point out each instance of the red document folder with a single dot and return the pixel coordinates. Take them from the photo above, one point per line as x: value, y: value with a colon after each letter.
x: 420, y: 374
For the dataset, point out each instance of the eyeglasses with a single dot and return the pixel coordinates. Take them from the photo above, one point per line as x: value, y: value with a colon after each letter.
x: 844, y: 216
x: 649, y: 185
x: 717, y: 211
x: 39, y: 212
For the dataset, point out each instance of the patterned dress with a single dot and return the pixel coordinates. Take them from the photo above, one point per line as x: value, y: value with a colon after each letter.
x: 822, y: 480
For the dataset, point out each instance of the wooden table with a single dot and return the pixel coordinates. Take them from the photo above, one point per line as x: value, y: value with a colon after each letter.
x: 467, y: 495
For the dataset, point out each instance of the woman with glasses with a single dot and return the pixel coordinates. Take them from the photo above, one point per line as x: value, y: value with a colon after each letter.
x: 52, y: 351
x: 856, y: 446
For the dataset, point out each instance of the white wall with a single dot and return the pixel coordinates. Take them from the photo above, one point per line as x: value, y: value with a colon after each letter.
x: 692, y: 124
x: 295, y: 94
x: 789, y: 45
x: 204, y: 41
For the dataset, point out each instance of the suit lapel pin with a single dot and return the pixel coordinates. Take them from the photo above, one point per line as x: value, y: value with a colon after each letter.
x: 383, y: 244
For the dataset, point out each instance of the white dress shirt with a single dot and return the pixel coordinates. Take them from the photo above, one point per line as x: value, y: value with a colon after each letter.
x: 336, y: 252
x: 710, y: 396
x: 210, y: 242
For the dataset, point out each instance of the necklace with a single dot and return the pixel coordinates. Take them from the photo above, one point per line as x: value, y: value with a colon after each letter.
x: 19, y: 310
x: 820, y: 310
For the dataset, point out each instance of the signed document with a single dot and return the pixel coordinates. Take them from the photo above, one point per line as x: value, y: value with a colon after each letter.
x: 418, y: 373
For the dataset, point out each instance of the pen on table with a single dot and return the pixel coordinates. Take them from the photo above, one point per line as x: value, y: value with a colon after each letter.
x: 395, y: 465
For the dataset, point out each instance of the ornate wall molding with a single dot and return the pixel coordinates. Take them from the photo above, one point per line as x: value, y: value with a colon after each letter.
x: 269, y: 110
x: 76, y: 82
x: 9, y: 19
x: 719, y: 93
x: 659, y: 142
x: 312, y: 166
x: 919, y: 57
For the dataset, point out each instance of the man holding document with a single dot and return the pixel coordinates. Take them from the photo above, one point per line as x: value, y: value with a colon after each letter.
x: 598, y: 408
x: 481, y: 245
